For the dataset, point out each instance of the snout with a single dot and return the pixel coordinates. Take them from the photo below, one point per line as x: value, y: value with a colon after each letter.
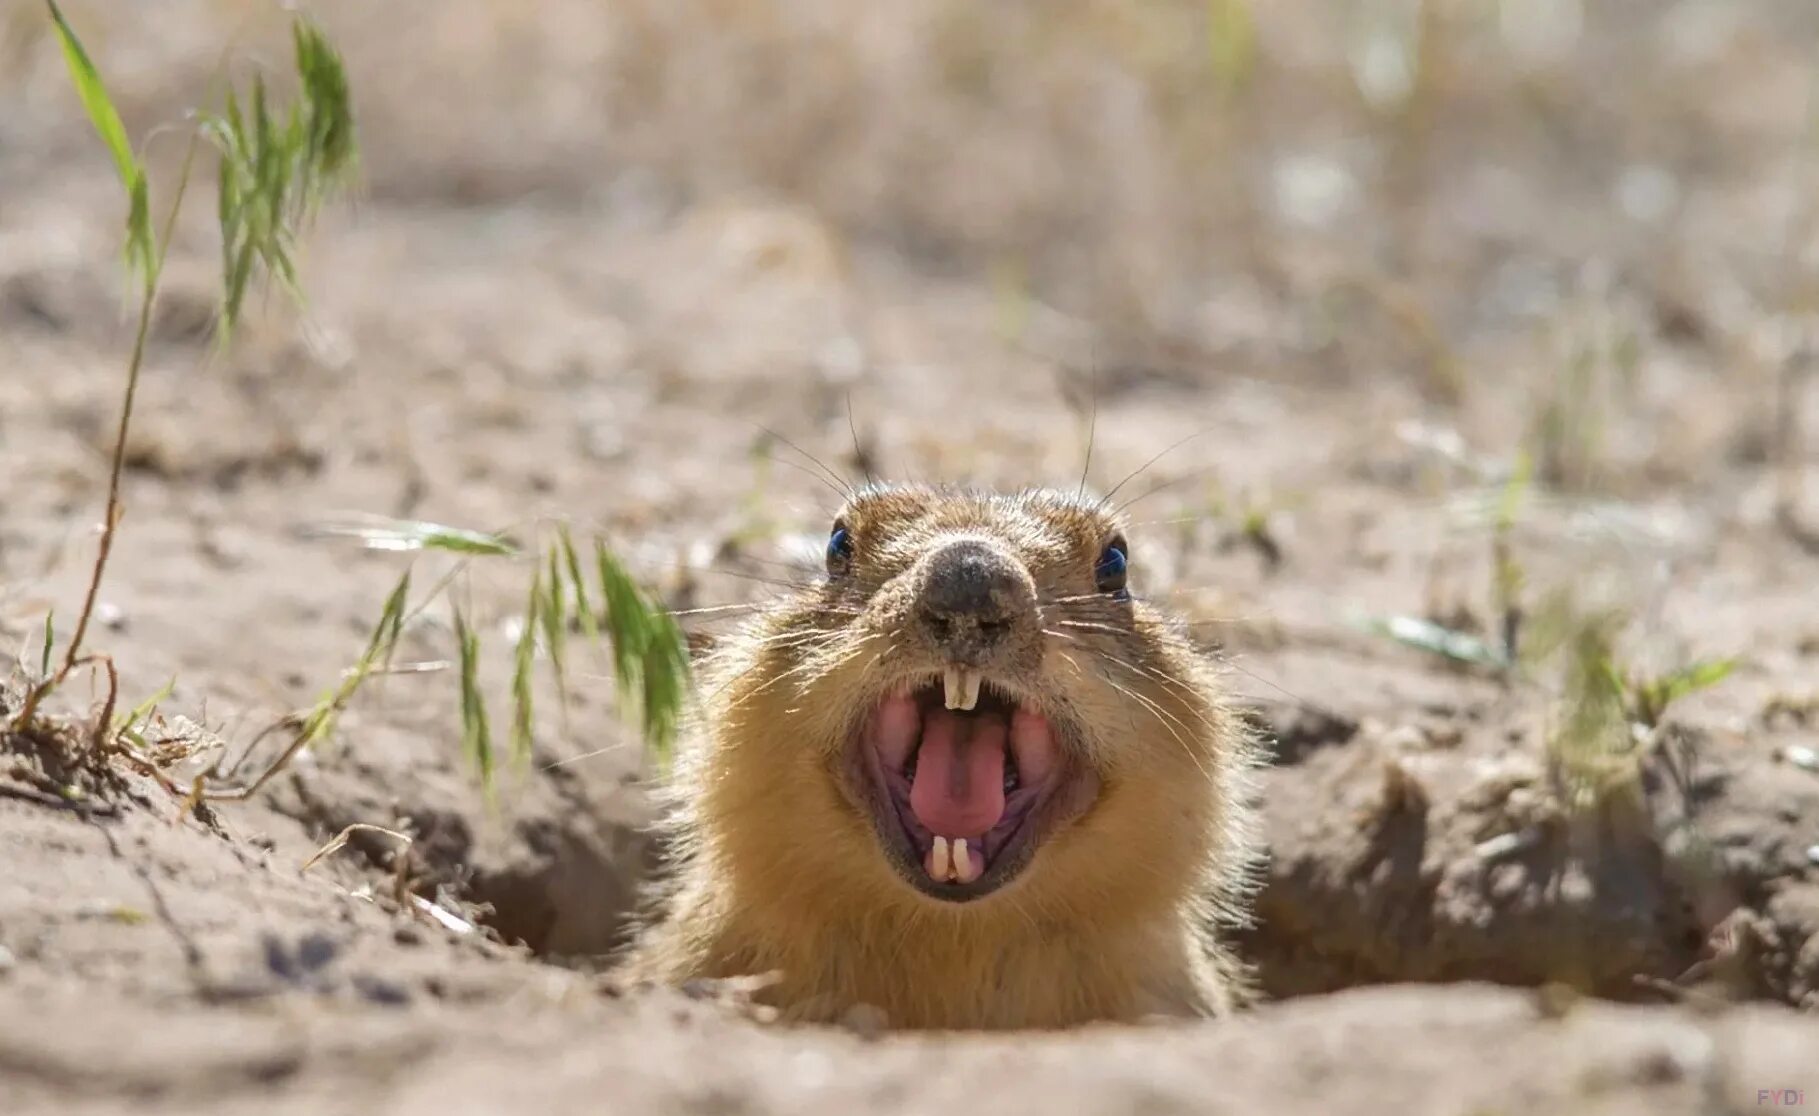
x: 974, y: 600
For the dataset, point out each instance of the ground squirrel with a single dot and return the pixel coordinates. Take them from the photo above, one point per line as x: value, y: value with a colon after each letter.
x: 968, y: 779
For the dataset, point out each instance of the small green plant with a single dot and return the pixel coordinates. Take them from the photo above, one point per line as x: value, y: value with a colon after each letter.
x: 1508, y: 578
x: 276, y: 165
x: 1608, y: 711
x: 276, y: 168
x: 315, y: 724
x: 1605, y: 711
x: 567, y: 595
x: 1647, y: 697
x: 1591, y: 747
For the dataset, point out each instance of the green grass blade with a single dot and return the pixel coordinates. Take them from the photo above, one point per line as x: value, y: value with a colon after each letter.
x: 390, y: 628
x: 133, y: 720
x: 1650, y: 698
x: 239, y: 271
x: 141, y: 252
x: 100, y: 107
x: 328, y: 107
x: 1699, y: 676
x: 50, y: 638
x: 523, y: 658
x: 555, y: 598
x: 379, y: 533
x: 379, y: 647
x: 650, y: 654
x: 625, y: 620
x: 1425, y: 635
x: 584, y: 609
x: 1510, y: 496
x: 378, y: 652
x: 666, y: 673
x: 321, y: 719
x: 277, y: 164
x: 141, y: 258
x: 551, y: 619
x: 1594, y: 737
x: 476, y: 731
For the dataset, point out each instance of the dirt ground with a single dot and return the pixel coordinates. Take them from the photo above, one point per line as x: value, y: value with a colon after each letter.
x: 1345, y: 264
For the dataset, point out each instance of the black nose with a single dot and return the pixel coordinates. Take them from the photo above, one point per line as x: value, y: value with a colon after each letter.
x: 971, y: 597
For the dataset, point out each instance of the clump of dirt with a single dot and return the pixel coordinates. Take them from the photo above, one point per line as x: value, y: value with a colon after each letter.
x: 1444, y: 854
x: 557, y: 869
x: 57, y: 761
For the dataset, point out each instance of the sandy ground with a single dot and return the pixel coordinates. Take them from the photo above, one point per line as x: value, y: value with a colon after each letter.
x: 598, y: 249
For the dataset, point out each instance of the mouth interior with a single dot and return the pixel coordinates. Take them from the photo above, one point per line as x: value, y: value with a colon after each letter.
x: 961, y: 782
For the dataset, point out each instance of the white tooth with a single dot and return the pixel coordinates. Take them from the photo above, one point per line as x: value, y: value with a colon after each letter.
x: 963, y: 865
x: 969, y: 689
x: 953, y: 687
x: 942, y: 867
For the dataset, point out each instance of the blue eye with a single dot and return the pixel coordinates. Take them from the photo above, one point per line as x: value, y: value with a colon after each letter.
x: 1108, y: 572
x: 839, y: 549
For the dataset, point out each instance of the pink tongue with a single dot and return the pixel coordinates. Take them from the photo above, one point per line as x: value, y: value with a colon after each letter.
x: 959, y: 786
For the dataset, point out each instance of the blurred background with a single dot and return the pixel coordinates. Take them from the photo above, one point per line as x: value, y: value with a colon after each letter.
x: 1362, y: 269
x: 1366, y: 257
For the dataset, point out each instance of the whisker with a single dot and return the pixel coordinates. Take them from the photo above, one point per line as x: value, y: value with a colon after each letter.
x: 1130, y: 717
x: 1300, y: 702
x: 848, y: 655
x: 1178, y: 685
x: 1249, y: 618
x: 1092, y: 627
x: 780, y: 641
x: 751, y: 695
x: 789, y: 639
x: 1165, y: 716
x: 1175, y: 520
x: 743, y: 575
x: 752, y: 608
x: 1296, y: 699
x: 806, y: 471
x: 1092, y: 434
x: 1105, y: 499
x: 1073, y: 599
x: 806, y: 665
x: 553, y: 764
x: 845, y: 485
x: 710, y: 609
x: 795, y: 565
x: 859, y: 454
x: 1164, y: 486
x: 779, y: 677
x: 1065, y: 606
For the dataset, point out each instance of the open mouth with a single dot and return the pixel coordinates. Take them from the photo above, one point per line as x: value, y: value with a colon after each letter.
x: 963, y: 777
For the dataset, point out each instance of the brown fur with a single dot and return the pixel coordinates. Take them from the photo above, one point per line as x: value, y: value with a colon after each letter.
x: 1115, y: 918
